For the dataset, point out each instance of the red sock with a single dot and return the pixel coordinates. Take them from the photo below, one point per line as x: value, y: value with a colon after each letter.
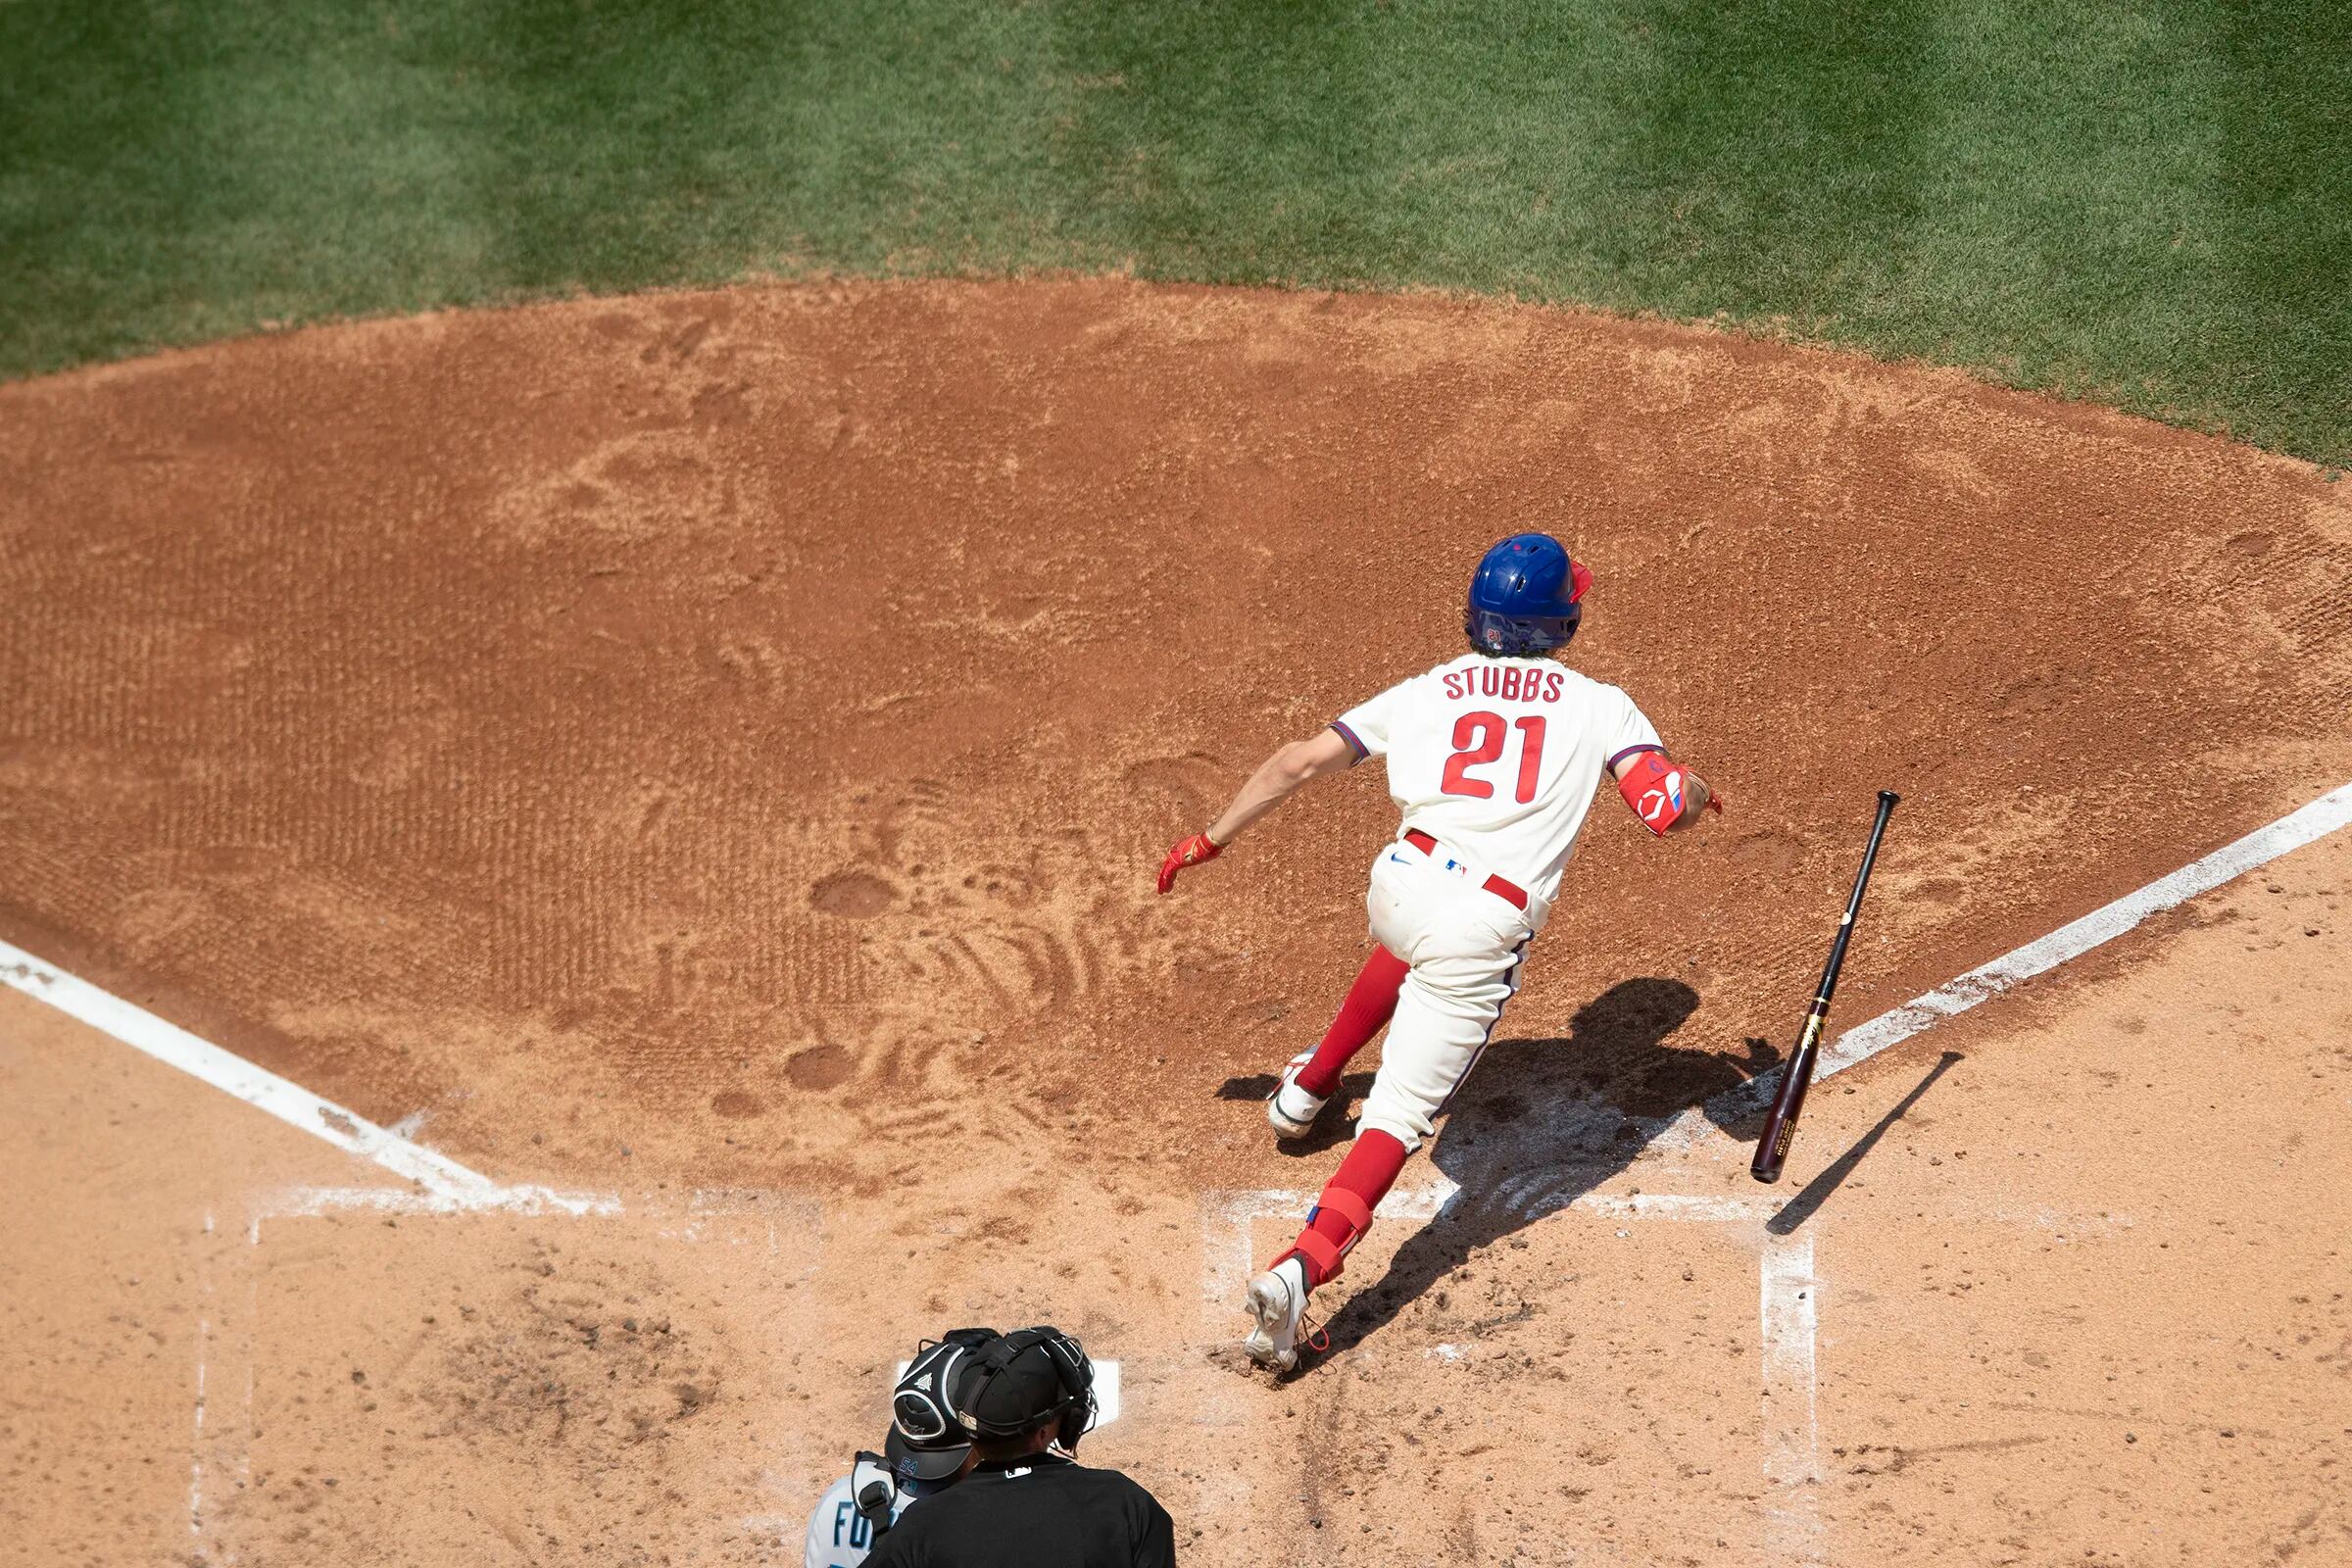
x: 1371, y: 1003
x: 1365, y: 1175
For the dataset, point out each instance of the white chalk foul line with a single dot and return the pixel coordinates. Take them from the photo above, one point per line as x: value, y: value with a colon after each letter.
x: 444, y: 1179
x: 2104, y: 924
x: 2304, y: 825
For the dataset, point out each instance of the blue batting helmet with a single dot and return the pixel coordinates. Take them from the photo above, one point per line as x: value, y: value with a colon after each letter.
x: 1523, y: 597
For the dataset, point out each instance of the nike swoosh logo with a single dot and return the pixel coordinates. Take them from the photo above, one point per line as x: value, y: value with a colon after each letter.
x: 1399, y: 858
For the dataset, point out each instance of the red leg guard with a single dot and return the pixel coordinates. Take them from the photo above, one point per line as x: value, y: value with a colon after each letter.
x: 1371, y: 1003
x: 1345, y: 1211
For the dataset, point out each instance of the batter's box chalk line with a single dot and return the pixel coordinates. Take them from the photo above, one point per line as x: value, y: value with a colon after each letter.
x: 1791, y: 1459
x: 1788, y: 1310
x: 227, y: 1341
x: 698, y: 1219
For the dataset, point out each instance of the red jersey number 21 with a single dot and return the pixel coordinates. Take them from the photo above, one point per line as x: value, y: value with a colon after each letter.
x: 1478, y: 739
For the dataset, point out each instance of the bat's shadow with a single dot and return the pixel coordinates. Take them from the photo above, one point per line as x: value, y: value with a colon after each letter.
x: 1541, y: 1122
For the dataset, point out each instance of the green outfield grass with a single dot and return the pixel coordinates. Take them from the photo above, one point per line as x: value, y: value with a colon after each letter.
x: 2149, y: 204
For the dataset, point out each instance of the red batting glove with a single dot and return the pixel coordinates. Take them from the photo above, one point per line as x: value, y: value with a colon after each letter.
x: 1187, y: 852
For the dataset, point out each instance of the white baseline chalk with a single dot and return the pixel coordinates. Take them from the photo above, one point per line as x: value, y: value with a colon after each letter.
x: 2104, y: 924
x: 2101, y: 925
x: 437, y: 1174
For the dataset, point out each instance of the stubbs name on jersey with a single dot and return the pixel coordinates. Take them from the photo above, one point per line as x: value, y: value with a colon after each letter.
x: 1512, y: 683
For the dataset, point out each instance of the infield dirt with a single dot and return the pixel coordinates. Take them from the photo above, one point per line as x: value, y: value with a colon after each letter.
x: 715, y: 748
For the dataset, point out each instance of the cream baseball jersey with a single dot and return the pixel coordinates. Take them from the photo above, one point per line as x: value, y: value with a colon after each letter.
x: 1498, y: 759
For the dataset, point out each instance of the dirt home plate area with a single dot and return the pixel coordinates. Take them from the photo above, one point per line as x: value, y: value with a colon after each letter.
x: 694, y: 766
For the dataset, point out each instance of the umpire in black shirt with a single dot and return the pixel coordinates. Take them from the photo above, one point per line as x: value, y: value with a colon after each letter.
x: 1027, y: 1397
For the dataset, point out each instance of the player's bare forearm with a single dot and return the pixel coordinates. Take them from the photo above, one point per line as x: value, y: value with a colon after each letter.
x: 1276, y: 778
x: 1273, y: 782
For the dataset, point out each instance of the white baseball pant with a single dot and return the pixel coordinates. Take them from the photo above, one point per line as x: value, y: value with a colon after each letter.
x: 1465, y: 946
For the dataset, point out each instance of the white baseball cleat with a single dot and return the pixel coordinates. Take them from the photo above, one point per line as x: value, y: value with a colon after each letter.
x: 1293, y: 1110
x: 1277, y: 1300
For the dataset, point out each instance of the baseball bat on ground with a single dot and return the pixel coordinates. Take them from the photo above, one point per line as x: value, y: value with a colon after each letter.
x: 1779, y: 1123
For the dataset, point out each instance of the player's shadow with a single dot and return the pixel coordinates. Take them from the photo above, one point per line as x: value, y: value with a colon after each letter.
x: 1541, y: 1122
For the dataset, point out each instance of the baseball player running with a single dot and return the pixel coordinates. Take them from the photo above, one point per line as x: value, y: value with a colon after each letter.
x: 1494, y: 757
